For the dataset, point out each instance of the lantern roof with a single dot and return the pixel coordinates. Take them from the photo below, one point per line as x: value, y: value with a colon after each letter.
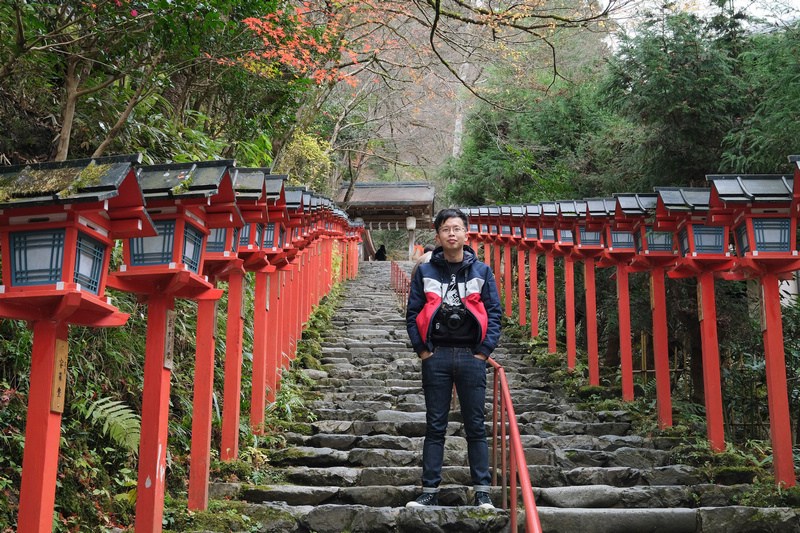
x: 249, y: 183
x: 533, y: 210
x: 69, y: 182
x: 201, y: 179
x: 494, y: 210
x: 274, y: 185
x: 207, y: 183
x: 750, y: 188
x: 549, y: 209
x: 571, y: 208
x: 635, y: 204
x: 294, y: 197
x: 600, y: 207
x: 686, y: 199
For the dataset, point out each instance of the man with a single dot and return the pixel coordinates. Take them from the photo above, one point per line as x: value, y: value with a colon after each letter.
x: 453, y: 321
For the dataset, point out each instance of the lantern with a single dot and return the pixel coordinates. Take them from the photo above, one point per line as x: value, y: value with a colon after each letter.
x: 759, y: 210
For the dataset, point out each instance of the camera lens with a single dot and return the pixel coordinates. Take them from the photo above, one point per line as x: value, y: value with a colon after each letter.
x: 454, y: 321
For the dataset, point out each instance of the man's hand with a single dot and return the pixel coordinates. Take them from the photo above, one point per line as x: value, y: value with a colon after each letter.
x: 425, y: 354
x: 481, y: 356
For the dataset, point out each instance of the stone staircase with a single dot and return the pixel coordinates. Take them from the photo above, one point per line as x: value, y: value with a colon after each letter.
x: 362, y: 462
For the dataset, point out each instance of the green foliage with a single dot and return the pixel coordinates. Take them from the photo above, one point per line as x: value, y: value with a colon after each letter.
x: 118, y: 421
x: 307, y: 161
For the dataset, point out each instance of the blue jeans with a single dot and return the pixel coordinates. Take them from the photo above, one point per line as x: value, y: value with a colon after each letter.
x: 448, y: 366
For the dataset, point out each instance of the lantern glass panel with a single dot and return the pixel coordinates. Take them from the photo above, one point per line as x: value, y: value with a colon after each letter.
x: 192, y: 247
x: 742, y: 241
x: 683, y: 242
x: 772, y: 234
x: 621, y: 239
x: 484, y: 228
x: 154, y: 250
x: 505, y: 230
x: 548, y: 234
x: 590, y: 238
x: 269, y: 235
x: 494, y: 229
x: 244, y: 235
x: 637, y: 241
x: 565, y: 235
x: 531, y: 233
x: 282, y: 236
x: 517, y: 231
x: 89, y: 263
x: 473, y: 228
x: 216, y: 240
x: 709, y: 239
x: 659, y: 241
x: 259, y: 234
x: 37, y: 257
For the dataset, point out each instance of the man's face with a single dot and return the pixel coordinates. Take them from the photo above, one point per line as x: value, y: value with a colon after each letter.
x: 452, y: 234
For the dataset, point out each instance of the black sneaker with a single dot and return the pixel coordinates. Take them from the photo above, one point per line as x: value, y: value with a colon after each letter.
x: 425, y: 499
x: 483, y: 500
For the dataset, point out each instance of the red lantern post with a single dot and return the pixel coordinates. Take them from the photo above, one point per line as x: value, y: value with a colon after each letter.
x: 547, y: 245
x: 588, y: 246
x: 762, y: 212
x: 703, y: 251
x: 530, y: 238
x: 654, y: 253
x: 618, y: 252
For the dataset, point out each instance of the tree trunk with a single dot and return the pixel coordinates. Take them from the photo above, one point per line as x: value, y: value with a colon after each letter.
x: 71, y: 82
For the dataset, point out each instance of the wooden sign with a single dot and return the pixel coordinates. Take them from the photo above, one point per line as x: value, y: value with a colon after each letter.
x: 699, y: 300
x: 169, y: 339
x: 59, y: 389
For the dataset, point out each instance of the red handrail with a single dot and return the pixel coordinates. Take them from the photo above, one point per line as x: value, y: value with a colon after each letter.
x: 516, y: 457
x: 400, y: 284
x: 504, y: 407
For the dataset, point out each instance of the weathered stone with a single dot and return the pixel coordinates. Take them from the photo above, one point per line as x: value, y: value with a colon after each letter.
x: 674, y: 475
x: 379, y: 496
x: 222, y: 491
x: 390, y: 476
x: 399, y: 417
x: 451, y: 520
x: 383, y: 457
x: 748, y: 520
x: 335, y: 441
x: 308, y: 456
x: 712, y: 495
x: 333, y: 476
x: 660, y: 496
x: 391, y: 442
x: 591, y: 496
x: 619, y: 520
x: 291, y: 494
x: 616, y: 477
x: 640, y: 458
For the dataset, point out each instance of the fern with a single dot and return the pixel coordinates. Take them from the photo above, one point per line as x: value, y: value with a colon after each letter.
x: 119, y: 421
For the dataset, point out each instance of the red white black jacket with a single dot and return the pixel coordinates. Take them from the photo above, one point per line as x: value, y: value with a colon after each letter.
x: 477, y: 289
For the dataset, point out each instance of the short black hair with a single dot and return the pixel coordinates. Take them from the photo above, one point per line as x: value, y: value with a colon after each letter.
x: 448, y: 213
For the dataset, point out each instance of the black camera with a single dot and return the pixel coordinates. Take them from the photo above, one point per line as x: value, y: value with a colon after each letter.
x: 454, y: 316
